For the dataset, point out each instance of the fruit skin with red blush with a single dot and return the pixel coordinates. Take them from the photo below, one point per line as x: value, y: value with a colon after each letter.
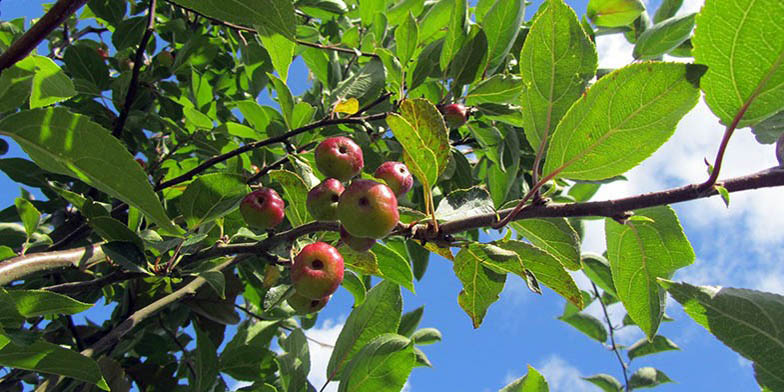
x: 305, y: 305
x: 397, y: 177
x: 262, y: 208
x: 317, y: 270
x: 358, y: 244
x: 368, y: 209
x: 322, y: 201
x: 339, y: 157
x: 455, y: 115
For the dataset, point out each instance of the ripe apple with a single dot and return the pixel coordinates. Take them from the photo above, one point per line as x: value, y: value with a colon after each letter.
x: 262, y: 208
x: 397, y: 177
x: 317, y: 270
x: 359, y: 244
x: 305, y: 305
x: 455, y: 115
x: 368, y: 209
x: 103, y: 51
x: 323, y: 199
x: 339, y: 157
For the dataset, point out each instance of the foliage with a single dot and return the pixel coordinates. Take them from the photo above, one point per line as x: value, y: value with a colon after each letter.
x: 176, y: 86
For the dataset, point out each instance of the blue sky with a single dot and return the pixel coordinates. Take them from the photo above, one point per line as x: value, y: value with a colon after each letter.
x: 738, y: 247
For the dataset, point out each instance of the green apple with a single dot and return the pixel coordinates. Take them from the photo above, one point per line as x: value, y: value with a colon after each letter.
x: 339, y: 157
x: 322, y: 201
x: 317, y: 270
x: 358, y: 244
x: 262, y: 208
x: 305, y: 305
x: 368, y: 209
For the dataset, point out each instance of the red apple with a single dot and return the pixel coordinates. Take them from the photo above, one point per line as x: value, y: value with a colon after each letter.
x: 317, y: 270
x: 323, y: 199
x: 368, y: 209
x: 262, y: 208
x: 339, y: 157
x: 455, y: 115
x: 358, y: 244
x: 397, y: 177
x: 305, y: 305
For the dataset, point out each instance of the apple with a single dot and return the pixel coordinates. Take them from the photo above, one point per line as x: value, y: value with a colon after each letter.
x: 397, y: 177
x: 262, y: 208
x: 455, y: 115
x: 317, y: 270
x: 368, y: 209
x: 780, y: 150
x: 305, y: 305
x: 339, y: 157
x: 358, y: 244
x: 322, y: 202
x: 103, y: 51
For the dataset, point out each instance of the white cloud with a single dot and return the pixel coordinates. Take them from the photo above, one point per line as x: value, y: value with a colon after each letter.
x: 562, y: 376
x: 614, y: 51
x: 690, y: 6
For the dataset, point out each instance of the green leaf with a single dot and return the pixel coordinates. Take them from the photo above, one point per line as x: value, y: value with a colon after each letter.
x: 211, y: 196
x: 127, y: 255
x: 364, y: 263
x: 744, y: 52
x: 464, y: 203
x: 34, y: 303
x: 410, y: 321
x: 295, y: 362
x: 355, y: 286
x: 275, y: 15
x: 597, y: 269
x: 641, y: 252
x: 216, y: 280
x: 368, y: 10
x: 546, y: 268
x: 50, y: 84
x: 379, y: 314
x: 533, y: 381
x: 747, y: 321
x: 481, y: 285
x: 383, y: 365
x: 421, y: 161
x: 456, y: 33
x: 553, y: 235
x: 394, y: 266
x: 429, y: 126
x: 16, y: 83
x: 406, y: 39
x: 499, y: 88
x: 501, y: 24
x: 426, y: 336
x: 647, y: 377
x: 281, y: 51
x: 296, y: 193
x: 85, y: 63
x: 625, y: 117
x: 365, y: 85
x: 606, y: 382
x: 769, y: 130
x: 206, y: 362
x: 285, y: 99
x: 667, y: 9
x: 49, y: 358
x: 614, y: 13
x: 587, y: 324
x: 647, y: 347
x: 466, y: 65
x: 28, y: 213
x: 556, y: 62
x: 128, y: 33
x: 663, y: 37
x: 66, y: 143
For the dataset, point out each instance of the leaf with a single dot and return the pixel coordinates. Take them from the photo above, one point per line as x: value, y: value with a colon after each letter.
x: 744, y: 52
x: 295, y: 362
x: 597, y: 269
x: 499, y: 88
x: 406, y: 39
x: 663, y: 37
x: 355, y: 286
x: 206, y: 362
x: 553, y: 235
x: 556, y: 62
x: 466, y: 65
x: 426, y: 336
x: 769, y: 130
x: 216, y: 280
x: 275, y: 15
x: 127, y: 255
x: 28, y: 213
x: 280, y: 49
x: 429, y: 126
x: 647, y: 377
x: 481, y: 285
x: 623, y: 119
x: 747, y: 321
x: 456, y: 32
x: 641, y: 252
x: 66, y: 143
x: 348, y: 106
x: 587, y: 324
x: 285, y: 99
x: 394, y: 266
x: 546, y: 268
x: 34, y: 303
x: 533, y: 381
x: 46, y: 357
x: 667, y: 9
x: 364, y: 263
x: 646, y: 347
x: 383, y: 365
x: 368, y: 10
x: 379, y: 314
x: 606, y: 382
x: 296, y: 193
x: 410, y: 321
x: 614, y: 13
x: 501, y: 24
x: 464, y: 203
x: 16, y: 83
x: 211, y: 196
x: 84, y: 62
x: 50, y: 84
x: 365, y: 85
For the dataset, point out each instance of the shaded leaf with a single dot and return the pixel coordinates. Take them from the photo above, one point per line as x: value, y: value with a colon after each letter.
x: 211, y: 196
x: 382, y: 365
x: 481, y: 285
x: 647, y: 377
x: 663, y: 37
x: 646, y: 347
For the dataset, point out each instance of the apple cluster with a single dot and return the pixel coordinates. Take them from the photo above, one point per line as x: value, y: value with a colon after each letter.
x: 367, y: 210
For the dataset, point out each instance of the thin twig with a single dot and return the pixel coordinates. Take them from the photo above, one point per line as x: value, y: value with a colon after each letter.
x: 257, y: 317
x: 253, y: 179
x: 133, y: 86
x: 173, y: 336
x: 624, y: 368
x: 81, y: 287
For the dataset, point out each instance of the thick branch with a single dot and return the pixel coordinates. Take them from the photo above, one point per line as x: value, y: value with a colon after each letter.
x: 30, y: 40
x: 21, y: 266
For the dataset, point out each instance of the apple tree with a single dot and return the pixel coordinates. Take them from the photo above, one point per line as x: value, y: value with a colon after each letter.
x: 170, y: 189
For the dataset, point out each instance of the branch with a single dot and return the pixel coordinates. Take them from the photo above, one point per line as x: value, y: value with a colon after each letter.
x: 133, y: 86
x: 81, y: 287
x: 47, y: 24
x: 624, y: 368
x: 21, y: 266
